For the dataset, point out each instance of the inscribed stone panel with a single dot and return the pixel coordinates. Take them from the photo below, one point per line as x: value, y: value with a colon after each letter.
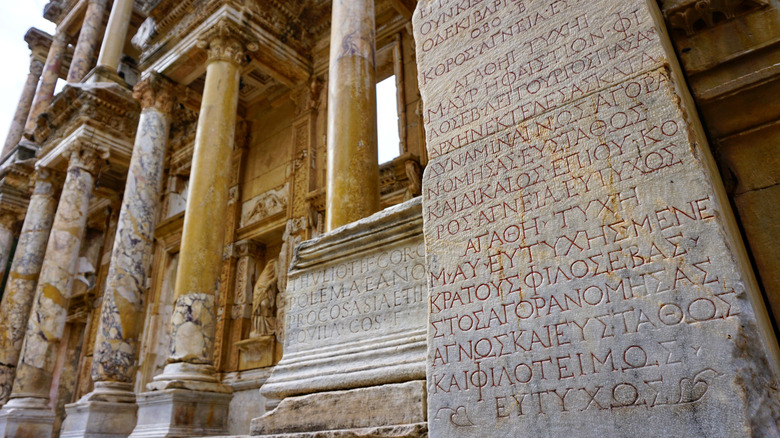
x: 585, y: 276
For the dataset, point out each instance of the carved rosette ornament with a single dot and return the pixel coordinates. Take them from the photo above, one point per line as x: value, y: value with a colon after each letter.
x: 226, y: 42
x: 156, y: 91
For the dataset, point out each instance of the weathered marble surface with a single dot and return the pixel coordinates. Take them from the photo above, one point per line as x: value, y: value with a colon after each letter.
x: 388, y: 405
x: 23, y: 107
x: 353, y: 169
x: 193, y: 321
x: 47, y: 318
x: 19, y: 291
x: 8, y: 220
x: 122, y: 306
x: 586, y: 275
x: 115, y: 35
x: 355, y: 313
x: 51, y: 73
x: 181, y: 413
x: 89, y: 41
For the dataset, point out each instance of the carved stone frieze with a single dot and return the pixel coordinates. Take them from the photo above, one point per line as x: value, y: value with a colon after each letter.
x: 265, y: 205
x: 690, y: 15
x: 109, y: 108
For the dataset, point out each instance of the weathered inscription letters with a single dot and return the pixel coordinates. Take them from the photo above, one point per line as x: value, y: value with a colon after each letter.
x: 582, y: 277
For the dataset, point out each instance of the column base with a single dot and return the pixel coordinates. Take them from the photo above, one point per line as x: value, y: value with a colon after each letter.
x: 193, y: 377
x: 26, y: 417
x: 101, y: 74
x: 182, y: 413
x: 107, y: 412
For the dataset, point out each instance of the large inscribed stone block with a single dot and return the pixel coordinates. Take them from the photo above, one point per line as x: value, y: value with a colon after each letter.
x: 355, y: 317
x: 586, y: 276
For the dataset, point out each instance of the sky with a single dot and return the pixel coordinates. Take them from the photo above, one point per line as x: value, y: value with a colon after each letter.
x: 16, y: 16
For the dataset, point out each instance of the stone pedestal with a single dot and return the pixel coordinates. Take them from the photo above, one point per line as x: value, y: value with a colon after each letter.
x: 181, y: 413
x: 354, y: 329
x: 99, y: 419
x: 26, y: 417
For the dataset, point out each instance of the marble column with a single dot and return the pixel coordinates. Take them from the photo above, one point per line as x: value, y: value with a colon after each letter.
x: 189, y: 380
x: 115, y: 35
x: 51, y: 73
x: 89, y: 41
x: 28, y: 410
x: 111, y: 408
x: 26, y: 265
x: 23, y: 107
x: 8, y: 220
x: 200, y: 258
x: 353, y: 171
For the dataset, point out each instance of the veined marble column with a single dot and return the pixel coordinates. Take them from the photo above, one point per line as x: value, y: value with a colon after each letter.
x: 89, y: 40
x: 18, y: 296
x: 200, y: 258
x: 353, y: 170
x: 111, y: 408
x: 24, y: 105
x: 51, y: 73
x: 115, y: 35
x: 28, y: 409
x: 8, y: 220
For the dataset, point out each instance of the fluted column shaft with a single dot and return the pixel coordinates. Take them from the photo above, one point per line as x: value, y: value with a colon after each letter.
x: 353, y: 171
x: 89, y: 41
x: 115, y: 35
x: 193, y: 322
x: 51, y: 73
x: 24, y: 105
x: 25, y: 268
x: 122, y: 308
x: 47, y: 317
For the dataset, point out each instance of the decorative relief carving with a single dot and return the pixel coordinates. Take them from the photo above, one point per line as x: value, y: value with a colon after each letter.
x: 688, y: 15
x: 87, y: 157
x: 267, y: 204
x: 156, y: 91
x: 226, y: 42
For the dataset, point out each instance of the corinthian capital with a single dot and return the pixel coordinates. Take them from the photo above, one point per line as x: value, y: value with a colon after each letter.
x: 155, y: 91
x: 87, y: 157
x: 227, y: 42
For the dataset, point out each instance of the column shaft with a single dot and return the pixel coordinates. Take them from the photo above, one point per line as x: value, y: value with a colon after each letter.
x: 193, y: 320
x: 7, y: 222
x: 115, y: 35
x: 51, y: 73
x: 122, y: 308
x: 18, y: 296
x: 47, y: 317
x: 353, y: 171
x: 89, y: 40
x: 23, y: 107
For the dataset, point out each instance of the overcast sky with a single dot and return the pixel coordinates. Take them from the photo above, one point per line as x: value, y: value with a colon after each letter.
x: 16, y: 16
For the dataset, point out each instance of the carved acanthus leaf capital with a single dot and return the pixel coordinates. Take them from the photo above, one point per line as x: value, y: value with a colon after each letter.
x: 46, y: 181
x: 87, y: 157
x: 156, y: 91
x: 227, y: 42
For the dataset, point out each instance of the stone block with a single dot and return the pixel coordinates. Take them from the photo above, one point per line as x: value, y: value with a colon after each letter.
x: 181, y: 413
x: 26, y: 418
x: 586, y: 275
x: 99, y: 419
x: 356, y: 306
x: 364, y: 408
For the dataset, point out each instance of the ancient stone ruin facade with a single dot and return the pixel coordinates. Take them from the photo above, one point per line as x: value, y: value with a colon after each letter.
x: 574, y: 239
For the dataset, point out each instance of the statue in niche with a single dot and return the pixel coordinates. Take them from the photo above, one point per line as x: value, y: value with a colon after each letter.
x: 263, y: 302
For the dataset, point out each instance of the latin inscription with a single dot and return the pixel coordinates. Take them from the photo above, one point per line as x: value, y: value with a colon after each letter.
x: 363, y: 296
